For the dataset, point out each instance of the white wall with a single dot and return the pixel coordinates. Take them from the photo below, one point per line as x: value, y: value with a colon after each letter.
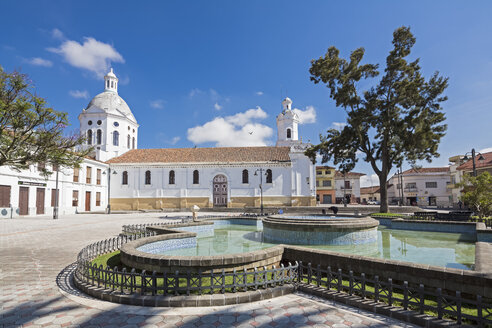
x: 66, y: 185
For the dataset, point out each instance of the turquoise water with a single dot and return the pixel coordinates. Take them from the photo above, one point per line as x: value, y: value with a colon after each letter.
x: 433, y: 248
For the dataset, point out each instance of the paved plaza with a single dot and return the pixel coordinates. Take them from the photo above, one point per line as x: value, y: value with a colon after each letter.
x: 36, y: 261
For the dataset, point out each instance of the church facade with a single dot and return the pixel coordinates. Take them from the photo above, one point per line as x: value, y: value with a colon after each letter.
x: 121, y: 176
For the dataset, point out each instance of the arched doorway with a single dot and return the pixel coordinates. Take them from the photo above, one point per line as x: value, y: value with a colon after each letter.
x: 220, y: 190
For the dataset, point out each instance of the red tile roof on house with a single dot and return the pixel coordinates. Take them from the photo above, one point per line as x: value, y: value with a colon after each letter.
x: 324, y: 167
x: 369, y: 190
x: 339, y: 174
x: 427, y: 170
x: 204, y: 155
x: 468, y: 166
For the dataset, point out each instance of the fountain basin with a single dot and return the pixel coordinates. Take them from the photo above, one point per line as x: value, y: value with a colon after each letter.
x: 320, y: 230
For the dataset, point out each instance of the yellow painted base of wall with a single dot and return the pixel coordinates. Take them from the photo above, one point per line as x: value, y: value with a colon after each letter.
x: 135, y: 204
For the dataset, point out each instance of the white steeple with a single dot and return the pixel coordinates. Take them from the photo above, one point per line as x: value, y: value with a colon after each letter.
x: 108, y: 122
x: 287, y: 122
x: 111, y: 82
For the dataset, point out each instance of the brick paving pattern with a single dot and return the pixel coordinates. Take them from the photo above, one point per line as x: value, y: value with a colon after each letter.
x: 37, y: 255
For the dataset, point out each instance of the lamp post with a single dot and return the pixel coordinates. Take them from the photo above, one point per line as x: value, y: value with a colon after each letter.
x: 261, y: 188
x: 344, y: 191
x: 109, y: 189
x: 55, y: 209
x: 481, y: 158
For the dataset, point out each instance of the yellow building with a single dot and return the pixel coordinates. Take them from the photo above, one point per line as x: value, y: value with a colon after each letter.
x: 325, y: 184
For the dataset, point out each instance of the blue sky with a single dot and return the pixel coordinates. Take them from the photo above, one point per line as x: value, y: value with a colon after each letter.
x: 207, y: 72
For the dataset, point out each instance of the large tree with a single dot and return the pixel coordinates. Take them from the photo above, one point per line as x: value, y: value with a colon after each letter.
x: 30, y: 131
x: 398, y: 119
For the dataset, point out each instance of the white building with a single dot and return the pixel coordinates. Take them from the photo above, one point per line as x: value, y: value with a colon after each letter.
x: 422, y: 187
x: 347, y: 186
x: 30, y: 193
x: 163, y: 178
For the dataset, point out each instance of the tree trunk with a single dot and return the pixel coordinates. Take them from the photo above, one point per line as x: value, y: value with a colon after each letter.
x: 383, y: 191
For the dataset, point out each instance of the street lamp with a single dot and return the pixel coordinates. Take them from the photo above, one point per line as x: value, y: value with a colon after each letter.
x: 55, y: 209
x: 481, y: 158
x: 109, y: 189
x: 261, y: 188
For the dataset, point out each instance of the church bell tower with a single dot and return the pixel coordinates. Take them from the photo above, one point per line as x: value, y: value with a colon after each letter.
x: 287, y: 125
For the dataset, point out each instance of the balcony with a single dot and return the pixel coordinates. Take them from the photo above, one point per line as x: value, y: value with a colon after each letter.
x: 410, y: 189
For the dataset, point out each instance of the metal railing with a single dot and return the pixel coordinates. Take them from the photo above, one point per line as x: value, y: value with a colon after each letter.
x: 176, y: 283
x: 417, y: 298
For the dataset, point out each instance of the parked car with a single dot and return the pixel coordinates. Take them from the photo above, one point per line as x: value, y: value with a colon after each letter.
x: 372, y: 202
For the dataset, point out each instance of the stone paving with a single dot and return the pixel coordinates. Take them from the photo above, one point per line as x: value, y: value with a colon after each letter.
x: 37, y: 255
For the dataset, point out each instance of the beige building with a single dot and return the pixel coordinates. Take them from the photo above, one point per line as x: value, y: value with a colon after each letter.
x: 370, y: 194
x: 325, y: 185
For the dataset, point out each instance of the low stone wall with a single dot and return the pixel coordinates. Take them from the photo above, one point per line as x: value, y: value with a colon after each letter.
x: 470, y: 282
x: 132, y: 257
x: 320, y: 230
x: 484, y: 235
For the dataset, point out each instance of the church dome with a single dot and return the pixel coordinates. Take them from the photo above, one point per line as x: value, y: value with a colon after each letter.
x: 111, y: 103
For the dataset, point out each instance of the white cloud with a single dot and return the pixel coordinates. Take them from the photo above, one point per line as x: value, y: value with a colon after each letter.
x: 39, y: 62
x: 194, y: 92
x: 57, y: 34
x: 94, y: 56
x: 79, y: 94
x: 259, y: 93
x: 306, y: 116
x: 217, y: 106
x: 157, y: 104
x: 486, y: 150
x: 175, y: 140
x: 236, y: 130
x: 369, y: 180
x: 338, y: 125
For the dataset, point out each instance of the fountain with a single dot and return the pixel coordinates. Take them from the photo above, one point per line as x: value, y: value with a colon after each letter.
x: 320, y: 230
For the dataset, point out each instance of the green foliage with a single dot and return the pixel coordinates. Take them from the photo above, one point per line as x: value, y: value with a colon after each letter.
x: 391, y: 215
x: 477, y: 193
x: 398, y: 119
x: 30, y: 131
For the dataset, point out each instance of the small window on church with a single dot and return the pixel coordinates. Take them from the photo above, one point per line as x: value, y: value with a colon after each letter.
x: 99, y: 122
x: 125, y: 178
x: 269, y: 176
x: 128, y: 142
x: 245, y: 176
x: 172, y: 177
x: 289, y: 134
x: 107, y: 82
x: 133, y: 143
x: 116, y: 124
x: 116, y: 138
x: 196, y: 177
x: 89, y: 123
x: 147, y: 178
x: 89, y: 137
x: 99, y: 137
x: 111, y: 84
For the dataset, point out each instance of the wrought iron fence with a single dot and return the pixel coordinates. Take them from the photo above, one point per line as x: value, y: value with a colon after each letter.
x: 175, y: 283
x: 141, y: 227
x: 417, y: 298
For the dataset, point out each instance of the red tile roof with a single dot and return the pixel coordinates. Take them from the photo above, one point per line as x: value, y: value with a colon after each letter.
x: 428, y: 170
x: 468, y: 166
x: 324, y: 167
x: 339, y: 174
x: 204, y: 155
x: 369, y: 190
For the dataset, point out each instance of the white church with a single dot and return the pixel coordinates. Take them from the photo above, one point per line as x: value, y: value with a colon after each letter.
x: 127, y: 178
